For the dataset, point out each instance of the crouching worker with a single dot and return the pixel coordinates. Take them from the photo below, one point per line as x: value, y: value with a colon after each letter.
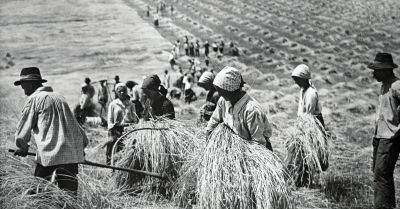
x: 121, y: 113
x: 59, y: 138
x: 237, y: 110
x: 156, y: 105
x: 206, y: 82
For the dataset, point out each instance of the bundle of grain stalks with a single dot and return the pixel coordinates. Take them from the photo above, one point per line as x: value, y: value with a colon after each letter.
x: 230, y: 172
x: 156, y: 146
x: 308, y: 151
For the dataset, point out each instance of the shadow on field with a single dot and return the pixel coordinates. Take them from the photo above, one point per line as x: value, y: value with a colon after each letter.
x: 348, y: 191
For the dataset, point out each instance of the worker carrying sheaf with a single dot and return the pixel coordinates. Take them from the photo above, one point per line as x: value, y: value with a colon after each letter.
x: 59, y: 138
x: 206, y: 82
x: 238, y: 110
x: 121, y: 113
x: 308, y: 97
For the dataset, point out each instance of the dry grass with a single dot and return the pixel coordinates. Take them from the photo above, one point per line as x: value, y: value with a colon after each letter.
x: 308, y: 151
x: 161, y: 148
x: 229, y: 172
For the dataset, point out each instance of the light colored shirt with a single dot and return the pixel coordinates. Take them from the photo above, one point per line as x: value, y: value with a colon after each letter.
x: 135, y: 93
x: 58, y: 136
x: 308, y: 102
x: 187, y: 84
x: 388, y: 111
x: 245, y: 118
x: 120, y: 113
x: 166, y: 81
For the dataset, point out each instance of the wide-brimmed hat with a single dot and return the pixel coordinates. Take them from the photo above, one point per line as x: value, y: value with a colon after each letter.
x: 29, y: 74
x: 382, y: 61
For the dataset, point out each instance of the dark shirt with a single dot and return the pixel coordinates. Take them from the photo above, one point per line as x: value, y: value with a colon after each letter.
x: 163, y: 107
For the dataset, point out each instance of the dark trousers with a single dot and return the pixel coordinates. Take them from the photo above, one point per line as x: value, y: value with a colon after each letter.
x: 114, y: 133
x: 385, y: 154
x: 65, y: 175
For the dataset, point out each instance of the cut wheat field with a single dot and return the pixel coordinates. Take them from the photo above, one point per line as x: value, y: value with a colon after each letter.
x: 70, y: 40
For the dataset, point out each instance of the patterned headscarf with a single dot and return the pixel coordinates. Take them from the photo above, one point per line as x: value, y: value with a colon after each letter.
x: 302, y: 71
x: 229, y: 79
x: 207, y: 78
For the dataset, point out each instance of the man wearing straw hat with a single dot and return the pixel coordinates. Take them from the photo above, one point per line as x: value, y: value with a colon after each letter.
x: 59, y: 138
x: 308, y: 99
x: 121, y: 113
x: 238, y: 110
x: 386, y: 142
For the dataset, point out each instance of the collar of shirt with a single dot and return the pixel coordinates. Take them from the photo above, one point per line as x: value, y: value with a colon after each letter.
x: 40, y: 89
x: 234, y: 109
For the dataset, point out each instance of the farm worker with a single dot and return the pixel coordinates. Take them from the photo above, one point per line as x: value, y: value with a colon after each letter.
x: 134, y: 94
x: 121, y: 113
x: 171, y: 59
x: 102, y: 96
x: 308, y: 98
x: 59, y: 138
x: 166, y: 80
x: 206, y: 48
x: 89, y: 87
x: 157, y: 105
x: 221, y: 47
x: 386, y: 142
x: 187, y: 85
x: 116, y: 78
x: 197, y: 49
x: 238, y: 110
x: 206, y: 82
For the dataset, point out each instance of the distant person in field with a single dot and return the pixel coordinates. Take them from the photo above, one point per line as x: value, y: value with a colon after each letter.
x: 191, y: 49
x: 102, y: 96
x: 166, y: 80
x: 171, y: 59
x: 116, y: 79
x: 234, y: 49
x: 177, y: 49
x: 386, y: 142
x: 156, y: 105
x: 155, y: 21
x: 121, y: 113
x: 190, y: 96
x: 60, y: 140
x: 207, y: 61
x: 206, y: 48
x: 89, y: 87
x: 237, y: 110
x: 308, y: 98
x: 134, y: 96
x: 148, y: 11
x: 197, y: 49
x: 221, y: 47
x: 206, y: 82
x: 186, y: 45
x: 214, y: 46
x: 86, y: 103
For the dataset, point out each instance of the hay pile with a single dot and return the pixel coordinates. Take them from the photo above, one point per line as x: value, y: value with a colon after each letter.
x: 229, y: 172
x: 308, y: 151
x: 158, y: 146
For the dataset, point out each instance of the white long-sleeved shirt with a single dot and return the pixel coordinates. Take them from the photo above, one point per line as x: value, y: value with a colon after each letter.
x: 121, y: 112
x: 245, y: 118
x: 308, y: 102
x: 58, y: 136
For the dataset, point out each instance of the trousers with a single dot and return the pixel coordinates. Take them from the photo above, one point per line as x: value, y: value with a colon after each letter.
x: 65, y: 175
x: 385, y: 154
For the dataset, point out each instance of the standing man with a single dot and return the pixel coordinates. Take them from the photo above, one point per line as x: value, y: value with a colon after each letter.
x: 102, y: 96
x: 238, y: 110
x: 89, y: 87
x: 386, y: 142
x: 59, y: 138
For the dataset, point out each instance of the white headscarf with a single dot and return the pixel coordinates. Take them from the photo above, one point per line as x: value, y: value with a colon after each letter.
x: 302, y: 71
x: 229, y: 79
x: 120, y: 85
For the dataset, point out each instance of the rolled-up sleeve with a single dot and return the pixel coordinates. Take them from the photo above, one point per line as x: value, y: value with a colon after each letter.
x: 25, y: 125
x: 258, y: 125
x: 216, y: 117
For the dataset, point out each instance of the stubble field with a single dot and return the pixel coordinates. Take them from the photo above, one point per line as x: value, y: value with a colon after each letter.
x: 71, y: 40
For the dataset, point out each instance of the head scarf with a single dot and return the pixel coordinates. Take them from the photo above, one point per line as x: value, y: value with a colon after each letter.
x: 120, y: 85
x: 151, y: 83
x: 229, y: 79
x: 207, y: 78
x: 302, y: 71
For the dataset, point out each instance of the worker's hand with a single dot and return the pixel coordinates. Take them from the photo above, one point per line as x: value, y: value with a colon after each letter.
x: 20, y: 152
